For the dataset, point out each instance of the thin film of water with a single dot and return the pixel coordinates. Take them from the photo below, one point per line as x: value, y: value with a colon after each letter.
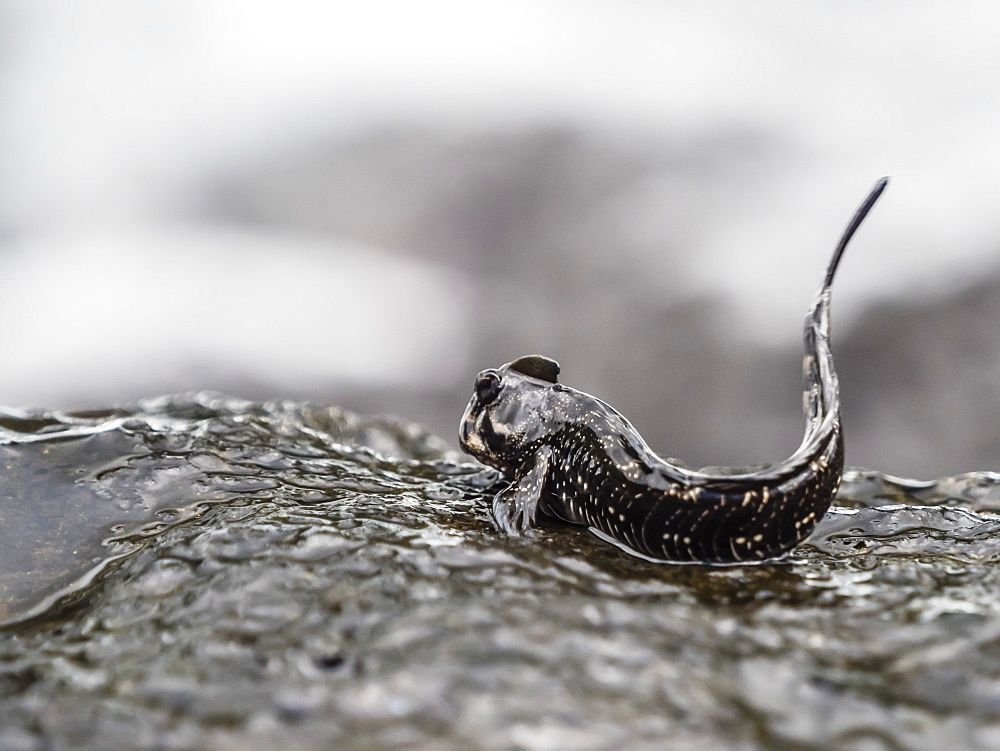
x: 199, y: 571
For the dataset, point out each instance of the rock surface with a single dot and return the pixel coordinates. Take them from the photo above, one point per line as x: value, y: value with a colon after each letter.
x: 202, y: 572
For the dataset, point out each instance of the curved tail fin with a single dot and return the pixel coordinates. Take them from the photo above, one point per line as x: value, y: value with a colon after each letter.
x: 822, y: 392
x: 852, y: 227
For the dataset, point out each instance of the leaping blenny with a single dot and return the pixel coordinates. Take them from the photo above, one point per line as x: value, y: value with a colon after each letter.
x: 571, y: 456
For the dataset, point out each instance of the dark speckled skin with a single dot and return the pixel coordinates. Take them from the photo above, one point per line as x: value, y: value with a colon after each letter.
x: 571, y: 456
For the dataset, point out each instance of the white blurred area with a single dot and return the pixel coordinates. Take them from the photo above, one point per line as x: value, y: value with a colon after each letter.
x: 143, y: 305
x: 117, y: 117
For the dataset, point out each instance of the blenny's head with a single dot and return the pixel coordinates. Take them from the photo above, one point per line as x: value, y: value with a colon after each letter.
x: 510, y: 410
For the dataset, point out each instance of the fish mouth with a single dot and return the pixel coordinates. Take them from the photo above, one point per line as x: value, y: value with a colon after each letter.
x: 468, y: 440
x: 463, y: 436
x: 471, y: 441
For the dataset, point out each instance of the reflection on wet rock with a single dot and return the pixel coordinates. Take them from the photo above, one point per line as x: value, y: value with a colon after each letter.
x: 205, y: 572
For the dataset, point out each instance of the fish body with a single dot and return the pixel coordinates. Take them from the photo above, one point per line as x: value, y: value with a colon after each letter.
x: 571, y: 456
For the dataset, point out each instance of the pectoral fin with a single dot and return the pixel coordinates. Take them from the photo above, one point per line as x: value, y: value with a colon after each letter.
x: 516, y: 506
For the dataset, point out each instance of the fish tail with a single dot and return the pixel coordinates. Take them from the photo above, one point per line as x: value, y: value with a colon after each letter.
x: 822, y: 389
x: 852, y: 227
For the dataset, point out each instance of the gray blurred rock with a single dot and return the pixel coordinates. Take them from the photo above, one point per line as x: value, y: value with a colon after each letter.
x: 921, y: 383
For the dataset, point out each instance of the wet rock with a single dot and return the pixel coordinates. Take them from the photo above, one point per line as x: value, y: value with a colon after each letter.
x: 198, y: 571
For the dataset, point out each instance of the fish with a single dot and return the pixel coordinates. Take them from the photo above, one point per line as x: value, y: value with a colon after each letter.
x: 570, y: 456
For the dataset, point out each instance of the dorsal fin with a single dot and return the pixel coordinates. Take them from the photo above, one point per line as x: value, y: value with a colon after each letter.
x: 536, y: 366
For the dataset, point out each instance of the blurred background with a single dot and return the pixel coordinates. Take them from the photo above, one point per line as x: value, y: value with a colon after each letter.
x: 367, y: 203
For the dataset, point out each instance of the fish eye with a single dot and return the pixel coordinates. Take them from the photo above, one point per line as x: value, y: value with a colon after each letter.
x: 488, y: 385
